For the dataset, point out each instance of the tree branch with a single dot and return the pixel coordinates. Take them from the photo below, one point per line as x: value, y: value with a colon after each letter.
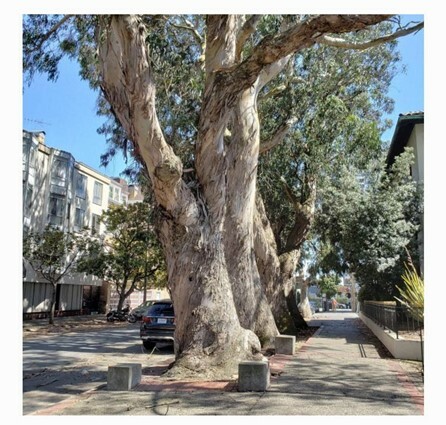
x: 339, y: 42
x: 302, y: 35
x: 44, y: 37
x: 248, y: 28
x: 278, y: 137
x: 189, y: 26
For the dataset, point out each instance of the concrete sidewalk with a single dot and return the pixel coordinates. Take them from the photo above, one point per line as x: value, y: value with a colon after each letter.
x: 341, y: 370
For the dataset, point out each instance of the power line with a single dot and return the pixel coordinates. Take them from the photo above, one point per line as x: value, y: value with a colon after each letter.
x: 37, y: 121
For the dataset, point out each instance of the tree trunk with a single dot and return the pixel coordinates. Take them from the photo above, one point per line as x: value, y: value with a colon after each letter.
x: 209, y: 341
x: 304, y: 304
x: 52, y: 304
x: 276, y: 275
x: 251, y: 303
x: 121, y: 300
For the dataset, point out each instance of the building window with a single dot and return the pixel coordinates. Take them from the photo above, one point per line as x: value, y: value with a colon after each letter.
x: 110, y: 193
x: 79, y: 218
x: 116, y: 196
x: 97, y: 193
x: 59, y: 173
x: 81, y: 186
x: 124, y: 199
x: 56, y: 210
x: 95, y: 224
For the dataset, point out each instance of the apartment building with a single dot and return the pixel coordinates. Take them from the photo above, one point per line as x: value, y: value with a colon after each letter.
x: 70, y: 195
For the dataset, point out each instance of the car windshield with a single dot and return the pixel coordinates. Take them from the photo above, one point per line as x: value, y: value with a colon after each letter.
x: 160, y: 310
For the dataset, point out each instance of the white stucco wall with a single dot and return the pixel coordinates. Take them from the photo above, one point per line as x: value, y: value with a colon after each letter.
x: 416, y: 141
x: 400, y: 348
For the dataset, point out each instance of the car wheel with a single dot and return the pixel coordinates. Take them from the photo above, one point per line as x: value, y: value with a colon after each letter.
x: 148, y: 345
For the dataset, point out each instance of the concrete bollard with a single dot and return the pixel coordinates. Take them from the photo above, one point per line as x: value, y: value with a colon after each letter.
x: 124, y: 376
x: 285, y: 344
x: 253, y: 376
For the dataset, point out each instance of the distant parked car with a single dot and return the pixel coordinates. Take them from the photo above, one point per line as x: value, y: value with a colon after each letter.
x: 158, y: 324
x: 142, y: 309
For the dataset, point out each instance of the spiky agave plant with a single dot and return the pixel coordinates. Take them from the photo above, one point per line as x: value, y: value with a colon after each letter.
x: 413, y: 292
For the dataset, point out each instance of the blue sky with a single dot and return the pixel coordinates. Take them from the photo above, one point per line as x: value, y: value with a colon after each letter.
x: 65, y: 110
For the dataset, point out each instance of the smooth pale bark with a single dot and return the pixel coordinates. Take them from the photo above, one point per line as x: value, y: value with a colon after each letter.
x: 251, y: 303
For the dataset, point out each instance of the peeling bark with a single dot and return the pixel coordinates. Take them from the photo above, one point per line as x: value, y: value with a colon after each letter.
x: 251, y: 303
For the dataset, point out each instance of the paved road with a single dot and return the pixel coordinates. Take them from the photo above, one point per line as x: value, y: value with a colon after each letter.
x: 58, y: 366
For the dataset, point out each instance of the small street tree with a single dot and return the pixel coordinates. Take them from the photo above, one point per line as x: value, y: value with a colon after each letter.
x: 328, y: 284
x: 129, y: 254
x: 54, y: 254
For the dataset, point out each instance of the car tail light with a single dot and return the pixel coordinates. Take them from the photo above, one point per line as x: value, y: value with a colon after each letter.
x: 147, y: 319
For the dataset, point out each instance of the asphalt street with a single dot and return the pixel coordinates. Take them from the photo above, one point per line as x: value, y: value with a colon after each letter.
x: 57, y: 366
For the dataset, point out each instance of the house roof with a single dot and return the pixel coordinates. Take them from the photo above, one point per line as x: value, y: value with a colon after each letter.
x: 403, y: 129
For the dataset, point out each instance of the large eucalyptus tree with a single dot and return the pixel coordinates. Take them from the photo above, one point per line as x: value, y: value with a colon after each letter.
x: 216, y: 237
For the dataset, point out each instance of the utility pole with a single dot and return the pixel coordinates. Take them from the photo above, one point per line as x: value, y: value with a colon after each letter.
x: 144, y: 297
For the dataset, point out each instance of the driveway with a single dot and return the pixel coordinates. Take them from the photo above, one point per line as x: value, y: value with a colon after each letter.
x: 58, y: 366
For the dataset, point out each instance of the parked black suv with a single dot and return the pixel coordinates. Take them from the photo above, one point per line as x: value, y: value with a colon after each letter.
x: 158, y: 324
